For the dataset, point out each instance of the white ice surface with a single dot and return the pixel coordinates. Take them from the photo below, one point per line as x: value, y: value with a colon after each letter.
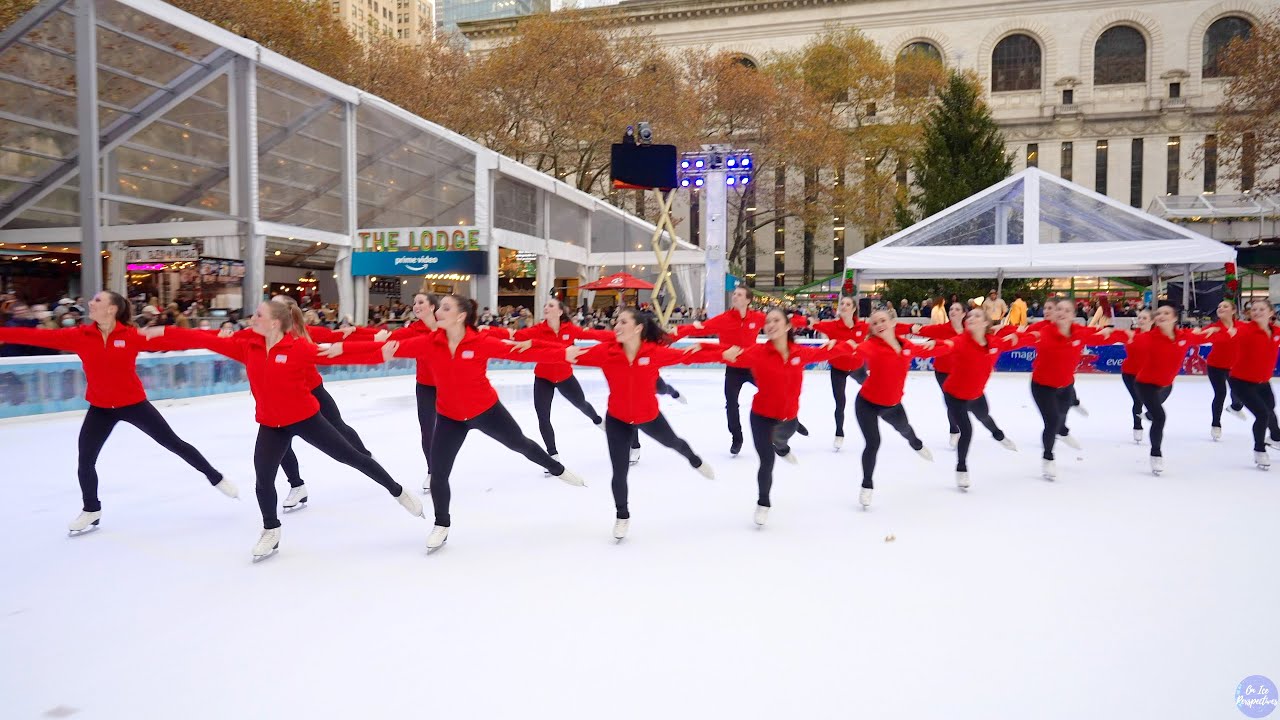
x: 1108, y: 594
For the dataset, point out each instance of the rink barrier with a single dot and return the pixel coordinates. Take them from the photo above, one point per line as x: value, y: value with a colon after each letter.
x: 55, y: 383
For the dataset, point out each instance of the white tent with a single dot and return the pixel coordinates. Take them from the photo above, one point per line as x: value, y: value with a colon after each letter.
x: 1036, y: 225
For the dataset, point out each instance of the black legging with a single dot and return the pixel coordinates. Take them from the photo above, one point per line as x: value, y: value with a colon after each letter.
x: 316, y: 431
x: 1261, y: 401
x: 734, y: 379
x: 941, y: 377
x: 839, y: 379
x: 329, y: 409
x: 665, y: 389
x: 958, y: 411
x: 867, y: 414
x: 1218, y: 379
x: 1153, y: 397
x: 619, y: 436
x: 495, y: 422
x: 426, y: 395
x: 1131, y: 384
x: 770, y: 437
x: 1053, y: 404
x: 544, y: 391
x: 97, y: 426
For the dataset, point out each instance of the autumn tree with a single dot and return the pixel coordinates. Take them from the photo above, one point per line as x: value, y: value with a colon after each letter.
x: 1248, y: 122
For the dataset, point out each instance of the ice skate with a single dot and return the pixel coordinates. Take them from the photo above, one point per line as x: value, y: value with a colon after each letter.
x: 1157, y: 465
x: 1237, y: 412
x: 838, y: 443
x: 410, y: 502
x: 705, y: 469
x: 297, y: 499
x: 962, y: 480
x: 426, y: 485
x: 762, y: 515
x: 682, y: 399
x: 735, y: 447
x: 791, y: 457
x: 864, y: 498
x: 954, y: 440
x: 1215, y: 433
x: 569, y: 478
x: 924, y: 453
x: 1137, y: 436
x: 439, y: 536
x: 600, y: 424
x: 620, y: 527
x: 85, y: 523
x: 268, y: 545
x: 1262, y: 460
x: 1049, y: 469
x: 635, y: 456
x: 228, y: 488
x: 1084, y: 412
x: 547, y: 473
x: 1007, y: 444
x: 1070, y: 441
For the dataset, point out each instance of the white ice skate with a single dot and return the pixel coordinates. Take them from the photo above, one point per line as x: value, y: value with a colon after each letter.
x: 682, y: 400
x: 620, y: 528
x: 1007, y: 444
x: 85, y: 523
x: 962, y: 480
x: 1070, y: 441
x: 297, y: 498
x: 705, y: 469
x: 410, y: 502
x: 864, y: 498
x: 600, y: 425
x: 1237, y: 413
x: 635, y: 456
x: 954, y: 440
x: 569, y: 478
x: 547, y: 473
x: 1081, y: 409
x: 924, y: 453
x: 762, y: 515
x: 268, y: 544
x: 1157, y: 465
x: 791, y: 457
x: 1137, y: 436
x: 1048, y: 469
x: 1262, y: 460
x: 228, y: 488
x: 1215, y: 433
x: 838, y: 443
x: 426, y: 485
x: 439, y: 536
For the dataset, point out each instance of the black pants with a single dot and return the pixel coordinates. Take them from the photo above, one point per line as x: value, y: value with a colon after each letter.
x: 868, y: 415
x: 839, y: 379
x: 619, y: 436
x: 426, y: 395
x: 495, y: 422
x: 734, y: 379
x: 1218, y: 379
x: 329, y: 409
x: 941, y: 377
x: 1261, y: 401
x: 544, y: 391
x: 97, y: 426
x: 665, y: 389
x: 1053, y: 404
x: 770, y: 437
x: 958, y: 411
x: 1131, y: 384
x: 316, y: 431
x: 1153, y: 397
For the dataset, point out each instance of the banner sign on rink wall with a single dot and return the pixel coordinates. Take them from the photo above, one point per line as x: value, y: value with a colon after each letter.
x: 464, y: 262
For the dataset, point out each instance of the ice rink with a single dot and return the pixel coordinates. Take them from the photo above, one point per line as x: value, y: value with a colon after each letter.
x: 1107, y: 594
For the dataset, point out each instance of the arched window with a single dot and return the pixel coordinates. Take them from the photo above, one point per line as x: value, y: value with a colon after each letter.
x: 1217, y: 38
x: 1015, y: 64
x: 745, y: 62
x: 916, y: 69
x: 1120, y: 56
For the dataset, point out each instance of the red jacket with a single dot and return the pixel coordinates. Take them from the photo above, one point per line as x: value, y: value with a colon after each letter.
x: 1256, y: 362
x: 1164, y: 355
x: 417, y: 329
x: 279, y: 377
x: 778, y: 381
x: 730, y: 328
x: 838, y: 331
x: 1135, y: 354
x: 110, y: 364
x: 1225, y: 347
x: 313, y: 377
x: 633, y: 385
x: 564, y: 337
x: 462, y: 384
x: 887, y: 369
x: 1057, y: 356
x: 971, y: 363
x: 945, y: 361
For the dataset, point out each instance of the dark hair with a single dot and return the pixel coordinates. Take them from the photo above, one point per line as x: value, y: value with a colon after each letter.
x: 650, y: 330
x: 468, y: 308
x: 791, y: 331
x: 124, y: 314
x: 432, y: 298
x: 565, y: 315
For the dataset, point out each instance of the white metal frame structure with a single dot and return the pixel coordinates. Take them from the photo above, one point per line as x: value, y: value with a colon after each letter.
x: 203, y: 134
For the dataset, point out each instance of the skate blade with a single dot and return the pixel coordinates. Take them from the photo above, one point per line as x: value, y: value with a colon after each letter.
x: 633, y: 463
x: 295, y: 508
x: 259, y: 558
x: 86, y: 531
x: 434, y: 550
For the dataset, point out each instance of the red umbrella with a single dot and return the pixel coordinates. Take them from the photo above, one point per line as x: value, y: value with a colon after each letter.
x: 617, y: 281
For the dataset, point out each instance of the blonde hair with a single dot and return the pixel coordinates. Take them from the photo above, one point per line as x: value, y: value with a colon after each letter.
x: 298, y: 324
x: 282, y: 313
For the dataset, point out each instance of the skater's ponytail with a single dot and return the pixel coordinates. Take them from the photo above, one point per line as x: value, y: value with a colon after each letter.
x: 565, y: 318
x: 650, y: 330
x: 468, y: 308
x: 123, y: 314
x: 280, y: 312
x: 298, y: 323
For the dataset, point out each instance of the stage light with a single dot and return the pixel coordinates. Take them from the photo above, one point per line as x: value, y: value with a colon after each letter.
x: 684, y: 182
x: 729, y: 180
x: 731, y: 162
x: 746, y: 162
x: 744, y: 180
x: 699, y: 163
x: 698, y: 183
x: 684, y: 164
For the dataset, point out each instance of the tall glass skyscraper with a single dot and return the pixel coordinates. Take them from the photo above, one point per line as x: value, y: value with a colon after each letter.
x: 451, y: 12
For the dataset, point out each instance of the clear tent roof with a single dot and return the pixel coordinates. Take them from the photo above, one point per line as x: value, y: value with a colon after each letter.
x: 1036, y: 225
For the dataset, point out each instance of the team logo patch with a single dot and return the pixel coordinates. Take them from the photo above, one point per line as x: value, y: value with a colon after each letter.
x: 282, y: 359
x: 751, y: 326
x: 642, y: 361
x: 119, y: 343
x: 795, y: 361
x: 1075, y: 343
x: 468, y: 354
x: 564, y: 337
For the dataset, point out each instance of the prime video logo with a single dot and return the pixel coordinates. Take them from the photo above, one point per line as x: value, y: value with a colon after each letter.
x: 417, y: 263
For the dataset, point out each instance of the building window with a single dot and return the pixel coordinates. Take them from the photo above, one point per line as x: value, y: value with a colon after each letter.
x: 1211, y: 163
x: 1120, y: 56
x: 1068, y: 159
x: 1135, y: 173
x: 1100, y: 170
x: 916, y: 56
x: 1033, y: 155
x: 900, y: 175
x: 1175, y: 90
x: 1248, y: 161
x: 1217, y: 38
x: 1173, y: 173
x: 1015, y: 64
x: 1069, y: 97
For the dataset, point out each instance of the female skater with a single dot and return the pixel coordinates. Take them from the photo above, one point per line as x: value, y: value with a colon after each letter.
x: 1164, y: 348
x: 278, y: 365
x: 1220, y: 360
x: 108, y: 348
x: 1134, y: 357
x: 845, y: 327
x: 630, y: 367
x: 459, y: 356
x: 973, y: 357
x: 548, y: 377
x: 1257, y: 343
x: 778, y: 368
x: 888, y: 357
x: 943, y: 364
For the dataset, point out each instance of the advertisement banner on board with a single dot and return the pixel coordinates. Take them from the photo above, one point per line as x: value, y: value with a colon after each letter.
x: 462, y: 262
